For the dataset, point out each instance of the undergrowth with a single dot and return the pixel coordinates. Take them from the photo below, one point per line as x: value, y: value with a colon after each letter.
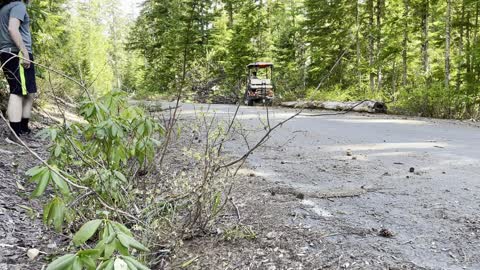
x: 427, y: 101
x: 90, y: 173
x: 137, y: 183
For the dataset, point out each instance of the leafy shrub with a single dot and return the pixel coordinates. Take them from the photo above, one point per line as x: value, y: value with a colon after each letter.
x: 338, y: 93
x: 114, y: 247
x: 98, y: 175
x: 425, y: 101
x: 91, y: 165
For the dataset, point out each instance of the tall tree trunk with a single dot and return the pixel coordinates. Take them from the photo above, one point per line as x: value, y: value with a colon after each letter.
x: 448, y: 22
x: 357, y: 23
x: 379, y: 42
x: 405, y: 42
x: 203, y: 22
x: 447, y: 44
x: 460, y: 50
x: 230, y: 14
x: 477, y: 11
x: 394, y: 78
x: 469, y: 46
x: 371, y: 44
x: 475, y: 41
x: 425, y: 39
x: 115, y: 48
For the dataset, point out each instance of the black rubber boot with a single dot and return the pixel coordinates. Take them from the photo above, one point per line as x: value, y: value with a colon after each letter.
x: 17, y: 127
x: 24, y: 126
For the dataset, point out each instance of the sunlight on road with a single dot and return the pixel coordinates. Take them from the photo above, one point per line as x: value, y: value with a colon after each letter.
x: 383, y: 146
x: 276, y: 116
x: 391, y: 154
x: 380, y: 121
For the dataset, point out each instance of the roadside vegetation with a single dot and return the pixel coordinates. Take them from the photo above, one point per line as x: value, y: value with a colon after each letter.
x: 129, y: 189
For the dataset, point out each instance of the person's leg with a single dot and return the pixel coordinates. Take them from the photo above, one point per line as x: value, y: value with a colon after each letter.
x: 29, y: 86
x: 22, y: 91
x: 15, y: 102
x: 27, y: 112
x: 15, y: 111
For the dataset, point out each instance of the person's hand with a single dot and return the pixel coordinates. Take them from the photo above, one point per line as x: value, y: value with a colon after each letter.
x: 25, y: 60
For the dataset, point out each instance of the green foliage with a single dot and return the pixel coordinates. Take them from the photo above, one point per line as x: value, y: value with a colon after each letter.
x: 289, y: 49
x: 371, y: 48
x: 430, y: 101
x: 113, y: 140
x: 115, y: 243
x: 217, y: 42
x: 333, y: 94
x: 92, y: 178
x: 42, y: 176
x: 328, y: 33
x: 86, y: 231
x: 54, y: 213
x: 84, y: 40
x: 48, y: 26
x: 114, y: 136
x: 377, y: 46
x: 170, y: 35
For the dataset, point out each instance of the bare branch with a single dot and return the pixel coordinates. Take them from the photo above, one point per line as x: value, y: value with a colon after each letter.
x: 260, y: 142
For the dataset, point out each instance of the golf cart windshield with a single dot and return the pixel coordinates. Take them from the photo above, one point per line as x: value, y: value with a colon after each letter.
x: 260, y: 70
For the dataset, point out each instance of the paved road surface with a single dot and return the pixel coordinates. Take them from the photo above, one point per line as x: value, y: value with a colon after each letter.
x: 354, y: 170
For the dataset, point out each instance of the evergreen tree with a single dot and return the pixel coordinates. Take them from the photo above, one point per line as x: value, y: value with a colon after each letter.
x: 408, y: 51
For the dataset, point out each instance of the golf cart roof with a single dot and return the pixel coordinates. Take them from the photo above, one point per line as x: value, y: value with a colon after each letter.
x: 260, y: 65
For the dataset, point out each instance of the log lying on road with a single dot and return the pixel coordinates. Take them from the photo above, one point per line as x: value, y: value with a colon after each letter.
x: 151, y: 106
x: 369, y: 106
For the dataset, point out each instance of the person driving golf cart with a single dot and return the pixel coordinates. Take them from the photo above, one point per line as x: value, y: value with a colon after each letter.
x: 259, y: 88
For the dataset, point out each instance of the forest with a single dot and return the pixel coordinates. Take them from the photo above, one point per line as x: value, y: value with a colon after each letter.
x: 420, y: 56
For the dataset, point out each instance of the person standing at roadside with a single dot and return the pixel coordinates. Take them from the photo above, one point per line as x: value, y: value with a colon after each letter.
x: 15, y: 57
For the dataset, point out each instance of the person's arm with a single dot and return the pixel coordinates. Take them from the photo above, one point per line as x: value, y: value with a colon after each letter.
x: 13, y: 29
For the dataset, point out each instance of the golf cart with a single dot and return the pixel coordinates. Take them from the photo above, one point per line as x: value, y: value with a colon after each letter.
x: 259, y: 83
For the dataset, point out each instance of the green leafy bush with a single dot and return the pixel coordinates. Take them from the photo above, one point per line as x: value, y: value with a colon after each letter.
x: 91, y: 167
x: 114, y: 167
x: 114, y: 246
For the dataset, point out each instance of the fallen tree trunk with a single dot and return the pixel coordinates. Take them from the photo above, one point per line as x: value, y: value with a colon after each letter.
x: 369, y: 106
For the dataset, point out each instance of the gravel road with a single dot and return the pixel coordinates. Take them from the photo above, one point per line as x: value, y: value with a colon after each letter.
x: 403, y: 189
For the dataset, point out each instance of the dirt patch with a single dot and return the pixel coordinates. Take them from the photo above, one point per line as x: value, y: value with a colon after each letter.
x: 284, y: 237
x: 21, y: 228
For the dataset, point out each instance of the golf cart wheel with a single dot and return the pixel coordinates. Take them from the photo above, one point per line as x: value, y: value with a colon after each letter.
x: 250, y: 102
x: 268, y: 102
